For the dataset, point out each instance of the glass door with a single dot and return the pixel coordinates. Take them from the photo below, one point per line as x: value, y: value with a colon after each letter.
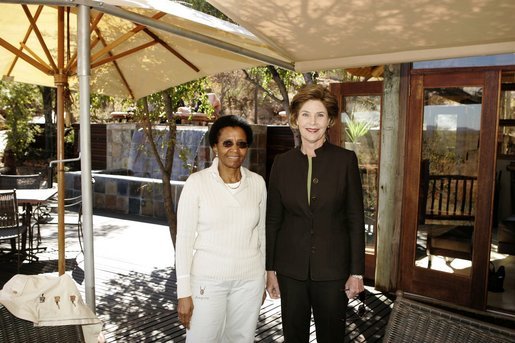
x: 501, y: 283
x: 359, y: 129
x: 449, y: 184
x: 361, y: 122
x: 448, y: 178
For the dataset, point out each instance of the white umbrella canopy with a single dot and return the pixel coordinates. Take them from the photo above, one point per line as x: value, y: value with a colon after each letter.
x: 328, y: 34
x: 127, y: 59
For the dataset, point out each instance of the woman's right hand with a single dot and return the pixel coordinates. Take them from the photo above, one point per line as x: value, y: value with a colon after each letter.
x: 185, y: 310
x: 272, y: 285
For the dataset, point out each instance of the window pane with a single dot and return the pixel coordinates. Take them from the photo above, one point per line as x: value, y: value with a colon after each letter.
x: 448, y: 180
x: 476, y: 61
x: 361, y: 121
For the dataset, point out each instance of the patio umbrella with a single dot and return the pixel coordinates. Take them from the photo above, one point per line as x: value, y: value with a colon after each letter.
x: 328, y: 34
x: 127, y: 59
x: 134, y: 51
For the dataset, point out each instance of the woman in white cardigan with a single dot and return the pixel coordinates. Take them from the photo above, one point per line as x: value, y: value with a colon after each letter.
x: 221, y: 241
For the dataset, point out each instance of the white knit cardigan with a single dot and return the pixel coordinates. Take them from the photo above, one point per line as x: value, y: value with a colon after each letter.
x: 220, y: 231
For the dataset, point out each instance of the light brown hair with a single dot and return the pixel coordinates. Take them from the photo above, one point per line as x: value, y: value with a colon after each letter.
x: 313, y: 92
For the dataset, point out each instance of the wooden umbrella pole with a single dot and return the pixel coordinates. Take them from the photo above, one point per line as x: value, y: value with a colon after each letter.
x: 60, y: 82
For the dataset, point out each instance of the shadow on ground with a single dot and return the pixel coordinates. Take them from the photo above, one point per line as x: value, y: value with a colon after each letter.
x: 34, y: 268
x: 140, y: 307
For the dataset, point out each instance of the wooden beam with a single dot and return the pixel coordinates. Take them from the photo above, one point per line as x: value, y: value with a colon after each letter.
x: 27, y: 35
x: 124, y: 80
x: 25, y: 57
x: 123, y: 38
x: 172, y: 50
x: 113, y: 58
x: 40, y: 37
x: 35, y: 56
x: 72, y: 62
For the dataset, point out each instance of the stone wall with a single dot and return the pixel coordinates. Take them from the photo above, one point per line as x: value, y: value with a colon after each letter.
x: 126, y: 194
x: 144, y: 196
x: 119, y: 137
x: 118, y: 140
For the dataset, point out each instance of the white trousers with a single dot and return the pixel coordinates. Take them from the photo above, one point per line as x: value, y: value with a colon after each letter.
x: 224, y: 311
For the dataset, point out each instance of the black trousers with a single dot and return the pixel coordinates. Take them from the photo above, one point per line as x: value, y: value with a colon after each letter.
x: 328, y: 301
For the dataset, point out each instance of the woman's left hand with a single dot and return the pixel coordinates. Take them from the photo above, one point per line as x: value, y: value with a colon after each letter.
x: 185, y: 311
x: 353, y: 287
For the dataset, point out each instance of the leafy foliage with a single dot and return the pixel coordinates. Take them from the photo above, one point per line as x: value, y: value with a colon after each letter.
x: 276, y: 85
x: 439, y: 149
x: 355, y: 129
x: 160, y: 107
x: 205, y: 7
x: 20, y: 102
x: 290, y: 78
x: 183, y: 95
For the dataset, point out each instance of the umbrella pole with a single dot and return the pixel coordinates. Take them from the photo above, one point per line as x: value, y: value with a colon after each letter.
x: 83, y: 73
x: 60, y: 82
x: 61, y: 264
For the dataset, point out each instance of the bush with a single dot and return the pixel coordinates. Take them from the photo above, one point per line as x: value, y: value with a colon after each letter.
x: 19, y: 103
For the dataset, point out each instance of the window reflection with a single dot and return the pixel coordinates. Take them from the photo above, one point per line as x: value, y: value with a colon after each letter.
x: 507, y: 122
x: 361, y: 122
x: 448, y: 178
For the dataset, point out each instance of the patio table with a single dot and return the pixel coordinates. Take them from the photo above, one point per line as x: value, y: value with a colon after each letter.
x: 29, y: 198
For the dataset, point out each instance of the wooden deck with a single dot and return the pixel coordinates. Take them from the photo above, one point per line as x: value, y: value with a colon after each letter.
x: 136, y: 285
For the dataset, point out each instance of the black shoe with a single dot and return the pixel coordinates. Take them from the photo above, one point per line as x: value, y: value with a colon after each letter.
x: 496, y: 279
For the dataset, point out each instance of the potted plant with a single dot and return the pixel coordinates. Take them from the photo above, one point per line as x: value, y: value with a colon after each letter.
x: 354, y: 129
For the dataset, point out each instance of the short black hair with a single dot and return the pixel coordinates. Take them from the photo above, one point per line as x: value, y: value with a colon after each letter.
x: 229, y: 121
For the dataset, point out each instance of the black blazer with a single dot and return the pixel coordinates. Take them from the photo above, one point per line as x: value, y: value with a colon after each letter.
x: 324, y: 240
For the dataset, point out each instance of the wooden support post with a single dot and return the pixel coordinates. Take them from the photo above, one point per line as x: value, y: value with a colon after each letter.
x: 390, y: 179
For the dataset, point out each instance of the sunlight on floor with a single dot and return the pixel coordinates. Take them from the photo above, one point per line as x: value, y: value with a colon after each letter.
x: 459, y: 264
x: 440, y: 263
x: 496, y: 300
x: 494, y: 256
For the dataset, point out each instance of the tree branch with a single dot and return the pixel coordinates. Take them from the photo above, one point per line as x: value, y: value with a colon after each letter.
x: 282, y: 87
x: 258, y: 85
x: 147, y: 129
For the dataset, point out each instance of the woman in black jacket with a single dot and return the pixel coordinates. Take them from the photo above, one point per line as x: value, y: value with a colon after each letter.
x: 315, y: 228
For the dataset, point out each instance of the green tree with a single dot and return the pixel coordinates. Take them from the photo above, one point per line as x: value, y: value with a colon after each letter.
x: 160, y: 108
x: 19, y: 102
x: 205, y: 7
x: 276, y: 83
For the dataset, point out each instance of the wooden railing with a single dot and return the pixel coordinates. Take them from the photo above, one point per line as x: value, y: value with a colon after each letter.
x: 449, y: 197
x: 447, y: 213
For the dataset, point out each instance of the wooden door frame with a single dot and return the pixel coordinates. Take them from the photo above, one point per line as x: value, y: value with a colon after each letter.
x: 341, y: 90
x: 467, y: 291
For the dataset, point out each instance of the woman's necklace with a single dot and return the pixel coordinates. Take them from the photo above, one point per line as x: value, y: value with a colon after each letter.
x: 234, y: 185
x: 231, y: 185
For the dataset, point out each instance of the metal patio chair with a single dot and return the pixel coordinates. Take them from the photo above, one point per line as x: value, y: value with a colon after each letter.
x: 14, y: 329
x: 27, y: 181
x: 414, y: 321
x: 20, y: 181
x: 10, y: 226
